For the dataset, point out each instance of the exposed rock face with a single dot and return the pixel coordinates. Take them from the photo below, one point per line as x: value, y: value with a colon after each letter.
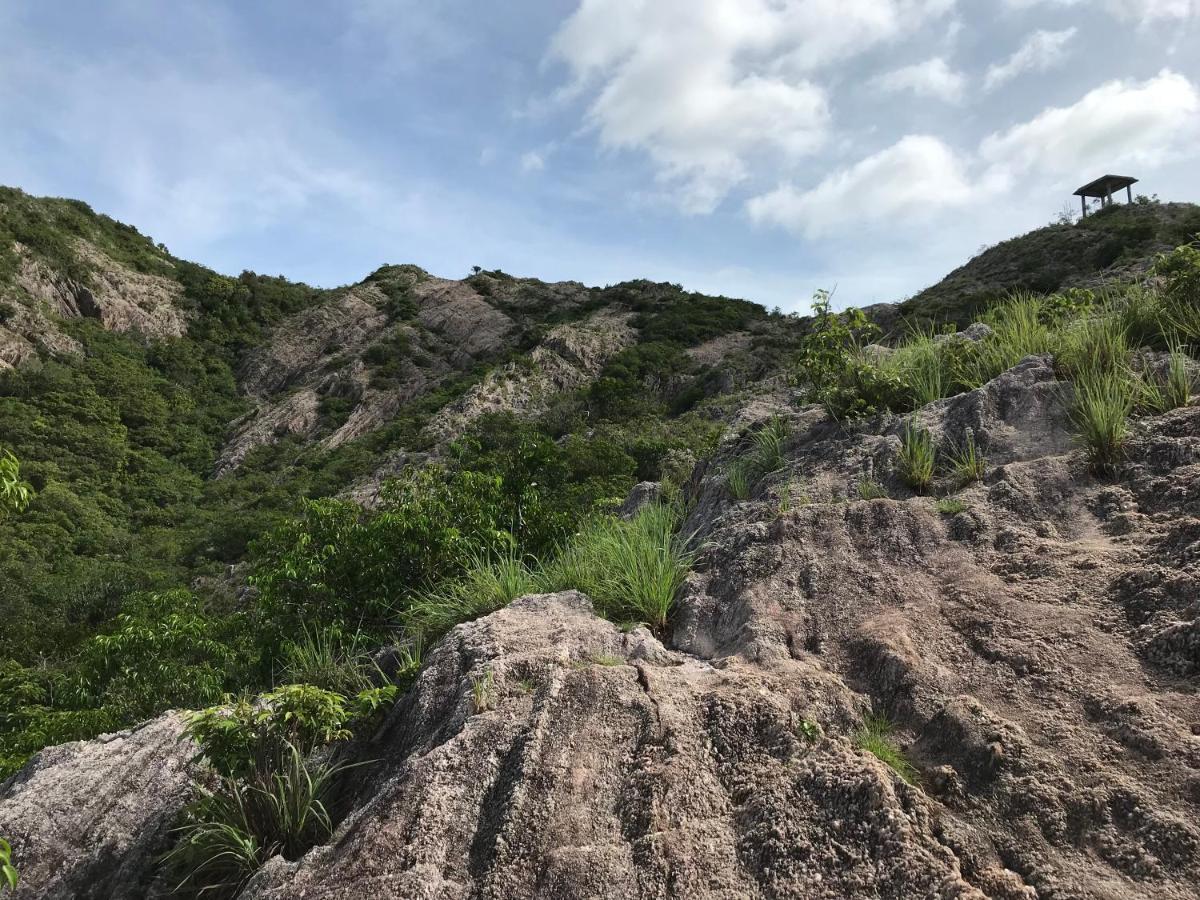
x: 569, y: 357
x: 89, y: 820
x: 117, y: 296
x: 599, y: 764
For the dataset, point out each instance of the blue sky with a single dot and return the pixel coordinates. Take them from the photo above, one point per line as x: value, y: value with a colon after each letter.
x: 757, y: 148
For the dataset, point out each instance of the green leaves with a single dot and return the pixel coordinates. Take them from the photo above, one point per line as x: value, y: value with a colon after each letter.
x: 15, y: 494
x: 8, y: 872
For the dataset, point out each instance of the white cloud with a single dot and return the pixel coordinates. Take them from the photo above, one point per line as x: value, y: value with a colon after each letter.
x: 1041, y: 51
x: 707, y: 87
x: 1142, y: 11
x: 1119, y: 123
x: 532, y: 161
x: 912, y: 180
x: 932, y: 78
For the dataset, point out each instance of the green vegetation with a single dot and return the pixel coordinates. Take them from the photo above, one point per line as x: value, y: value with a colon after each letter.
x: 9, y: 877
x: 918, y: 457
x: 632, y: 570
x: 764, y: 457
x: 876, y: 738
x: 483, y: 692
x: 870, y: 489
x: 967, y: 462
x: 1093, y: 338
x: 15, y: 494
x: 950, y: 506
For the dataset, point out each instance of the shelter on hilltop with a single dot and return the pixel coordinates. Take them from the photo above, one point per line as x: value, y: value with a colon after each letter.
x: 1102, y: 189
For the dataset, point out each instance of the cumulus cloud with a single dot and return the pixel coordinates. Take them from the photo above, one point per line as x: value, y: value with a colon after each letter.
x: 913, y: 179
x: 705, y: 87
x: 1041, y: 51
x: 1118, y: 123
x: 932, y: 78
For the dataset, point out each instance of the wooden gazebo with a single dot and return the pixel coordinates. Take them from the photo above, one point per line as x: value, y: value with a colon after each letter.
x: 1102, y: 189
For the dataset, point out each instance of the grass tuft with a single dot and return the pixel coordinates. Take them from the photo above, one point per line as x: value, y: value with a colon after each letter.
x: 489, y: 583
x: 230, y: 832
x: 1101, y: 411
x: 968, y: 462
x: 950, y: 506
x: 876, y: 738
x: 631, y: 569
x: 917, y: 457
x: 870, y: 489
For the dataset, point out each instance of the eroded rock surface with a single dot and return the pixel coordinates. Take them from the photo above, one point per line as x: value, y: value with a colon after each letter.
x: 90, y: 819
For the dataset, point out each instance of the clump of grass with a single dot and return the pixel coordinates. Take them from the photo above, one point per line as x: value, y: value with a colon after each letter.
x: 483, y: 692
x: 1101, y: 411
x: 968, y: 462
x: 876, y: 738
x: 607, y: 659
x: 230, y: 832
x: 325, y: 658
x: 489, y: 583
x: 631, y: 569
x: 950, y: 506
x: 764, y: 456
x: 920, y: 366
x: 1173, y: 390
x: 1019, y: 329
x: 808, y: 731
x: 870, y: 489
x: 917, y: 457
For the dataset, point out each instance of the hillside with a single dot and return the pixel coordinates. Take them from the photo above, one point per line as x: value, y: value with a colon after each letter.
x: 513, y: 589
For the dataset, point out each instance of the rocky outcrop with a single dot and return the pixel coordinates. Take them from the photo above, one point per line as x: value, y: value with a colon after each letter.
x: 88, y: 821
x: 544, y: 753
x: 569, y: 357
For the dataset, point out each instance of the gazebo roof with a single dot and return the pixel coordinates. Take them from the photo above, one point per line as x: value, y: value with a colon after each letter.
x: 1102, y: 187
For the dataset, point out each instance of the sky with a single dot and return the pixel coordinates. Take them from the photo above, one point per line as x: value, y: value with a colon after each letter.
x: 755, y: 148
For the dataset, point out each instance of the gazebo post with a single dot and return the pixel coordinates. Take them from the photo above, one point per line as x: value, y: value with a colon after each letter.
x: 1129, y: 193
x: 1083, y: 203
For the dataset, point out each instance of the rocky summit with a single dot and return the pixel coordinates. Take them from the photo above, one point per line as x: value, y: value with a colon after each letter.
x: 491, y: 588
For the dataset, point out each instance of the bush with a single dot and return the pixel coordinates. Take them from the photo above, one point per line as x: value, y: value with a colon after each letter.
x: 243, y: 737
x: 632, y: 570
x: 15, y: 494
x: 8, y: 873
x: 764, y: 457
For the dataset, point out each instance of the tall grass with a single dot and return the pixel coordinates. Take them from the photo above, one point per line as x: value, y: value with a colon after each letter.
x: 632, y: 570
x: 1019, y: 330
x: 764, y: 457
x: 918, y: 457
x: 232, y: 831
x: 325, y: 658
x: 490, y: 582
x: 1103, y: 402
x: 968, y: 462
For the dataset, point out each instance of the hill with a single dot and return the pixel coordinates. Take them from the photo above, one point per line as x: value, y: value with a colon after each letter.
x: 492, y: 587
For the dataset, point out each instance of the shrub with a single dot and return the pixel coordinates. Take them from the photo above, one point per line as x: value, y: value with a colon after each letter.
x: 631, y: 569
x: 876, y: 738
x: 967, y: 462
x: 243, y: 737
x: 228, y: 833
x: 917, y: 457
x: 15, y: 494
